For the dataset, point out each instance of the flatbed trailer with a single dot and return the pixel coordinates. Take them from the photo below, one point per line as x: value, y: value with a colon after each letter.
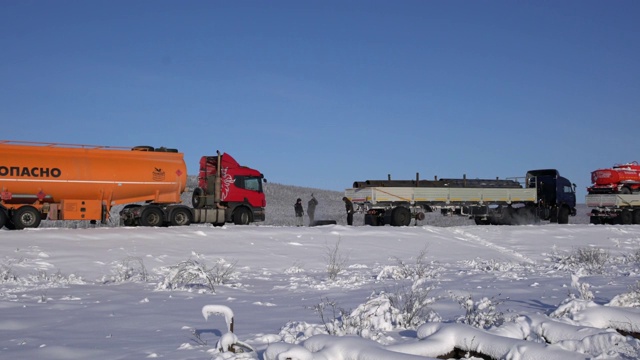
x: 618, y: 208
x: 544, y: 195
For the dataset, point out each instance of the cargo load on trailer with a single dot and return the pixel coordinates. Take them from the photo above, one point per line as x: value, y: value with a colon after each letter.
x: 620, y: 179
x: 614, y: 195
x: 540, y: 195
x: 47, y: 181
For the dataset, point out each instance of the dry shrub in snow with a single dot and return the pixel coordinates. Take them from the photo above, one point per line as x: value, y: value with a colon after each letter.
x: 7, y: 275
x: 628, y: 299
x: 130, y: 269
x: 405, y: 308
x: 413, y: 303
x: 336, y: 261
x: 194, y: 274
x: 583, y: 261
x: 482, y: 314
x: 419, y: 269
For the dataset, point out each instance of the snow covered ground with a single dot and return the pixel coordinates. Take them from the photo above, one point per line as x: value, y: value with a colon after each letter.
x: 514, y: 292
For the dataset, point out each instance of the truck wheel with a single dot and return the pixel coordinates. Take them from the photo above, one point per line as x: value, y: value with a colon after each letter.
x: 625, y: 190
x: 180, y: 217
x: 197, y: 200
x: 371, y: 219
x: 636, y: 216
x: 400, y: 216
x: 594, y: 218
x: 26, y: 217
x: 241, y: 216
x: 626, y: 217
x: 563, y: 215
x: 3, y: 218
x: 151, y: 216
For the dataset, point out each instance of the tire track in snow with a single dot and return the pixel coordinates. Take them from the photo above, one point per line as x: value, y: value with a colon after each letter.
x: 472, y: 238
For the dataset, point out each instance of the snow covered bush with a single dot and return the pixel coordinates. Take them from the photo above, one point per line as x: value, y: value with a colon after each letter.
x: 582, y: 261
x: 192, y: 273
x: 413, y: 303
x: 405, y: 308
x: 7, y: 275
x: 420, y: 268
x: 628, y: 299
x: 130, y: 269
x: 582, y: 288
x: 482, y: 314
x: 56, y: 278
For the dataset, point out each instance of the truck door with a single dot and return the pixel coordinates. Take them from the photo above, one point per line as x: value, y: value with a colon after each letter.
x: 565, y: 192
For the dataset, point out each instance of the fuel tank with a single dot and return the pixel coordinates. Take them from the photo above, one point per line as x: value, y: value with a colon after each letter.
x: 48, y: 173
x: 618, y: 174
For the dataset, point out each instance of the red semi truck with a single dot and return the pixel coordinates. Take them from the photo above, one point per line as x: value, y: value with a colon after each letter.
x: 83, y: 182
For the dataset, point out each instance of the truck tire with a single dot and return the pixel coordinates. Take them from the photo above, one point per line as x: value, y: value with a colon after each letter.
x: 127, y: 217
x: 625, y: 190
x: 26, y: 217
x: 626, y: 217
x: 151, y: 216
x: 197, y: 200
x: 242, y: 216
x: 594, y: 218
x: 636, y: 217
x: 563, y: 215
x: 400, y: 216
x: 371, y: 219
x: 180, y: 217
x: 3, y: 217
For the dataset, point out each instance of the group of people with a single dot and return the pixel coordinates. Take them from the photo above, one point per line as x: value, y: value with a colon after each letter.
x: 311, y: 210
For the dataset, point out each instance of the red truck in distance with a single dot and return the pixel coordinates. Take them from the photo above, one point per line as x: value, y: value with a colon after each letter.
x: 240, y: 189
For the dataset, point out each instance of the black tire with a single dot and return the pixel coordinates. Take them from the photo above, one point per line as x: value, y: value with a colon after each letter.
x: 563, y: 215
x: 371, y: 219
x: 130, y: 220
x: 625, y: 190
x: 151, y: 216
x: 241, y: 216
x: 636, y: 217
x: 197, y: 200
x: 594, y: 218
x: 626, y: 217
x: 480, y: 221
x: 400, y: 216
x: 3, y: 217
x: 180, y: 217
x: 553, y: 218
x: 26, y: 217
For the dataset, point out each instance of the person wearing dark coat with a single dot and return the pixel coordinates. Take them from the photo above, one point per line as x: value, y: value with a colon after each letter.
x: 311, y: 209
x: 349, y: 207
x: 299, y: 212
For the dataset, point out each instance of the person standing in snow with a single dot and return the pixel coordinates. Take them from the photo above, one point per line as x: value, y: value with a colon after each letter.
x: 299, y: 212
x: 311, y: 209
x: 349, y: 207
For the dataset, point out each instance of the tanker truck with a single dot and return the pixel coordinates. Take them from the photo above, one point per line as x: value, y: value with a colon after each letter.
x: 614, y: 195
x: 540, y: 195
x: 47, y: 181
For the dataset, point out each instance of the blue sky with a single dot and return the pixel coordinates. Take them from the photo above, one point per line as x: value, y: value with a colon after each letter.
x: 323, y: 93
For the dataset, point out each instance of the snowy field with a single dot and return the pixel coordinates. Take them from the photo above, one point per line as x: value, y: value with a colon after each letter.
x: 502, y: 292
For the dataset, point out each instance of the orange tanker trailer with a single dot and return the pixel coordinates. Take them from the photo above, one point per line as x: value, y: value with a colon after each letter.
x: 80, y: 182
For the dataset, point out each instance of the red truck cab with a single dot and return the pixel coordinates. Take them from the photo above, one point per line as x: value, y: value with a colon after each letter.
x: 224, y: 183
